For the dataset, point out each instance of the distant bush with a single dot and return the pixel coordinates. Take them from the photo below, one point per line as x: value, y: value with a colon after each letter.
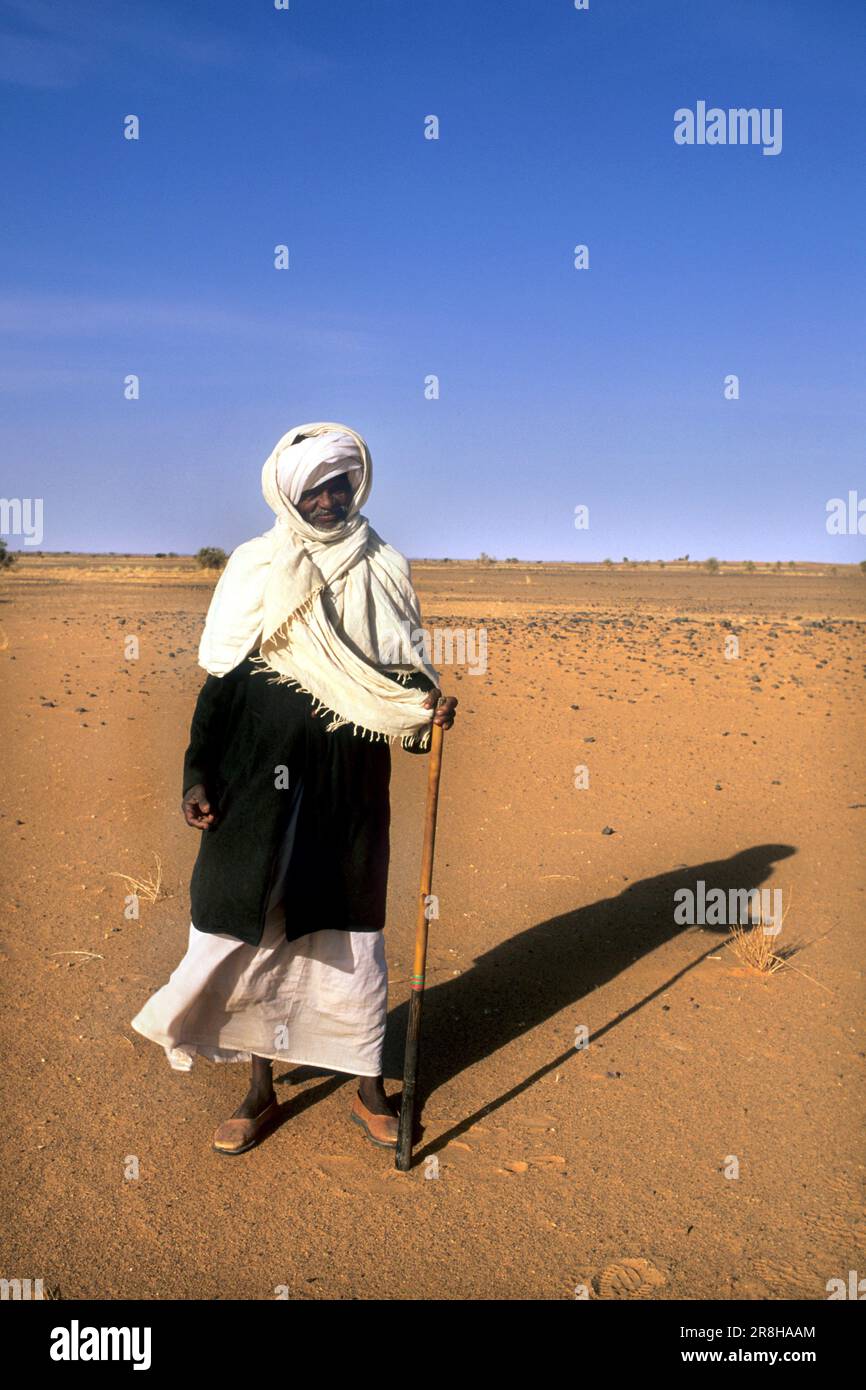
x: 778, y: 565
x: 792, y: 564
x: 159, y: 555
x: 607, y: 563
x: 511, y: 560
x: 862, y: 567
x: 749, y: 565
x: 210, y: 557
x: 485, y: 559
x: 6, y: 557
x: 712, y: 565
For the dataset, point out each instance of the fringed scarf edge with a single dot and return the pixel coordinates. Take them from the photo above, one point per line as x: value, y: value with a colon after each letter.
x: 320, y: 709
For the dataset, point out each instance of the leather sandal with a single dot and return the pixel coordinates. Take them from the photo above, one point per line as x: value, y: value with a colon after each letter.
x: 235, y: 1136
x: 380, y: 1129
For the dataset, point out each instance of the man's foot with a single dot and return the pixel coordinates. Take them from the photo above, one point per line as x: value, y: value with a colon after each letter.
x: 371, y: 1089
x: 374, y: 1112
x: 254, y: 1102
x: 243, y: 1132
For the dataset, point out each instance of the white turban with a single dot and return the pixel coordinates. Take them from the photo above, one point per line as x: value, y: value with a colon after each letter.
x: 316, y: 460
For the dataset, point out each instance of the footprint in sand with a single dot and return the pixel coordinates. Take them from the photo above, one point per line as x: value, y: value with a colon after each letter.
x: 629, y: 1278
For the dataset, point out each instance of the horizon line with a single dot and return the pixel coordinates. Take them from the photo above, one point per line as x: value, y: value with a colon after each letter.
x: 483, y: 559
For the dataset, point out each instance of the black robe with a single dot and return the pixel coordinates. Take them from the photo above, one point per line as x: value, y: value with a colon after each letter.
x: 250, y: 736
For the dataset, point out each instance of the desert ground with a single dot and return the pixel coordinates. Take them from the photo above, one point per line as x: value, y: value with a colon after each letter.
x: 707, y: 1141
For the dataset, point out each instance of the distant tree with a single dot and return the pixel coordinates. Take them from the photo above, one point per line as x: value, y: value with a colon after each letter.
x: 792, y: 564
x: 7, y: 559
x: 749, y: 565
x: 777, y: 566
x: 159, y: 555
x: 625, y: 559
x: 834, y: 570
x: 712, y: 565
x: 608, y: 563
x: 485, y: 559
x: 210, y: 557
x: 661, y: 564
x: 511, y: 560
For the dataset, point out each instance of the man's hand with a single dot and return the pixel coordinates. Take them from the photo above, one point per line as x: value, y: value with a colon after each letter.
x: 196, y: 808
x: 445, y: 705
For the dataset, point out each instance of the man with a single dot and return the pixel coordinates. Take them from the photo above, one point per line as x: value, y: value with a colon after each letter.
x: 287, y: 774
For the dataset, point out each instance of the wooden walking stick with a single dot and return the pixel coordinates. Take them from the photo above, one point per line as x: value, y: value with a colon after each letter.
x: 413, y: 1032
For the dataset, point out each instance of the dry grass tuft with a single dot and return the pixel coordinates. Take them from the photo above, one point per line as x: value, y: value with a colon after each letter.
x: 149, y: 889
x: 753, y: 945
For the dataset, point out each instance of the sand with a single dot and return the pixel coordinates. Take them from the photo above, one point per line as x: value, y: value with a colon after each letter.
x: 543, y: 1169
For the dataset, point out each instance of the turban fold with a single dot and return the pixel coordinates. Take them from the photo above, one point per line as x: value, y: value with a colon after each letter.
x: 316, y: 460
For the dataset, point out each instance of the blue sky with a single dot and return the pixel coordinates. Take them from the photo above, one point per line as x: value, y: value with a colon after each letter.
x: 411, y: 257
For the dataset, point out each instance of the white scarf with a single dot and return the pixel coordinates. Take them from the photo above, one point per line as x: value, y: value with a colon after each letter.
x: 330, y: 609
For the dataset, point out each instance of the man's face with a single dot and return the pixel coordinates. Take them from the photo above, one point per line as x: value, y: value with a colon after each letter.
x: 328, y: 504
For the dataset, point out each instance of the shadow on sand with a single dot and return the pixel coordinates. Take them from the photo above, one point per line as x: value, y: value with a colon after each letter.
x: 534, y: 975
